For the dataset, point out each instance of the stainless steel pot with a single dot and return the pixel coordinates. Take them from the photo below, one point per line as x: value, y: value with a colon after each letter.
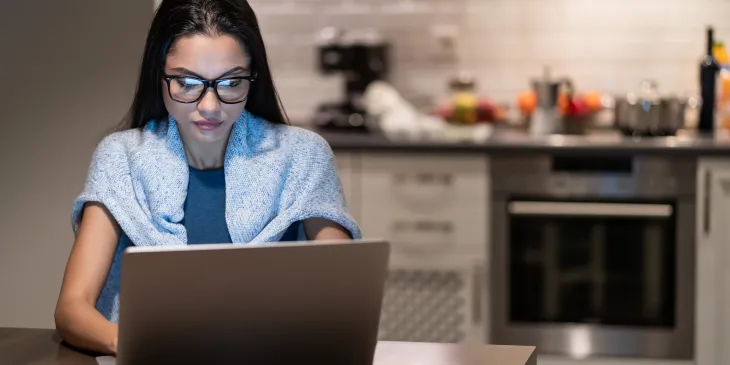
x: 674, y: 111
x: 649, y: 113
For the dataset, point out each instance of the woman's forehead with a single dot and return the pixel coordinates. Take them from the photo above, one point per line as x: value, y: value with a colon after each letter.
x: 208, y: 56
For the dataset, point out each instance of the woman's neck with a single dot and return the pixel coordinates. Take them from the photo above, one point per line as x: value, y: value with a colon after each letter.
x: 205, y: 156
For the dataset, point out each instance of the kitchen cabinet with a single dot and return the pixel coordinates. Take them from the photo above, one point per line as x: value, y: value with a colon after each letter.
x: 712, y: 340
x: 433, y: 208
x: 426, y: 202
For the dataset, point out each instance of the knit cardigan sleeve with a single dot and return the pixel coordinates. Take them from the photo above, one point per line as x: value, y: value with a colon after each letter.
x: 319, y: 192
x: 108, y: 169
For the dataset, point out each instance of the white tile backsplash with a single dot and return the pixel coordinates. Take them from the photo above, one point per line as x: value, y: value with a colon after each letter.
x: 604, y: 45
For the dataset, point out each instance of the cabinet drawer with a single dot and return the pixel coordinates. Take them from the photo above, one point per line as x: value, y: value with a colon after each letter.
x: 424, y: 201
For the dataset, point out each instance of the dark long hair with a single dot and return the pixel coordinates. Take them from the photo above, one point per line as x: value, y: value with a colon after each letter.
x: 177, y: 18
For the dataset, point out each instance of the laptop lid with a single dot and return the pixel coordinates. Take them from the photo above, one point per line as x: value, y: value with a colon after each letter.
x: 304, y: 302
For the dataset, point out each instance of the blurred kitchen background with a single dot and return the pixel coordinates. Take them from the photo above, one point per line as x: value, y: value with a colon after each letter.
x: 605, y: 48
x: 552, y: 173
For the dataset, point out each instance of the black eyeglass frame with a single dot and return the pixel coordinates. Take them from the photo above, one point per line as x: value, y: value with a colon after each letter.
x: 207, y: 84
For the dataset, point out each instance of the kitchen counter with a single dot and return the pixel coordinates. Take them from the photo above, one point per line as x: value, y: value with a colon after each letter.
x: 512, y: 141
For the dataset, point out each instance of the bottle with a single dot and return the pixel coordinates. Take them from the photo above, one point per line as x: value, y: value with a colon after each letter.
x: 708, y: 84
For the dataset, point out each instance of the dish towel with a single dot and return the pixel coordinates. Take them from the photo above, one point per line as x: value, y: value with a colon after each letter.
x: 275, y: 176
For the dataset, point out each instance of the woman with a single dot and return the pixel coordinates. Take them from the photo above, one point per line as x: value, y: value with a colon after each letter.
x: 206, y: 156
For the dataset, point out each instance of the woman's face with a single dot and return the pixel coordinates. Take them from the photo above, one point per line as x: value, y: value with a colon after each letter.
x: 202, y: 57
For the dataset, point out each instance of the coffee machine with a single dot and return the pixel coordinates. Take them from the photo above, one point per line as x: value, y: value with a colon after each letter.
x: 361, y: 57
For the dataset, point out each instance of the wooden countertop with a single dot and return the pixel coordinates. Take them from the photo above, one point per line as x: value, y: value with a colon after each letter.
x: 44, y: 347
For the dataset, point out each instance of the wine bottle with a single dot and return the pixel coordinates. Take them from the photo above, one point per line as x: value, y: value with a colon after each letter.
x: 708, y: 83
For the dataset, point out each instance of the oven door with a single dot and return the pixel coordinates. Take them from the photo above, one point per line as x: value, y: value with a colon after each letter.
x: 588, y: 277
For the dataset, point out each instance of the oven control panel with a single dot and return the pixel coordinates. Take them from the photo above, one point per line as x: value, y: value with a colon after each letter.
x: 605, y: 176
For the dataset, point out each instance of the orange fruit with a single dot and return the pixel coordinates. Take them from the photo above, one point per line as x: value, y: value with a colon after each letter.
x: 592, y: 100
x: 526, y: 102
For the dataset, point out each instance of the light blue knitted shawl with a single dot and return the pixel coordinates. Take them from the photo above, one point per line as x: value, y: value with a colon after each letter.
x: 275, y: 175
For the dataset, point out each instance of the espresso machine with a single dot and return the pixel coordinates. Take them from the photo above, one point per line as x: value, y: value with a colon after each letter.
x: 361, y: 57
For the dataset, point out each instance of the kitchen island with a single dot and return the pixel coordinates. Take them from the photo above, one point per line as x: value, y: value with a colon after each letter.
x: 443, y: 205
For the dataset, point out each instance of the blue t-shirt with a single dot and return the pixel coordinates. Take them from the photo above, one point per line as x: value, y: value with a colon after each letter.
x: 205, y: 210
x: 205, y: 207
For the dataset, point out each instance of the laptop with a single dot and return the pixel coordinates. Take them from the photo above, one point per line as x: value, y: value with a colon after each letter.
x: 280, y: 303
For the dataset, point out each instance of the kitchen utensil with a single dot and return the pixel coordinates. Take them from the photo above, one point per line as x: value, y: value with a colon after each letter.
x: 546, y: 116
x: 648, y: 113
x: 645, y: 111
x: 673, y: 115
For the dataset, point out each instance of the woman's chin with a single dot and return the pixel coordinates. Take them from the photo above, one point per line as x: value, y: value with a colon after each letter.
x: 208, y: 137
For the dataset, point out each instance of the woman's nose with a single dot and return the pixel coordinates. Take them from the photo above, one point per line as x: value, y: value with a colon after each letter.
x: 209, y: 102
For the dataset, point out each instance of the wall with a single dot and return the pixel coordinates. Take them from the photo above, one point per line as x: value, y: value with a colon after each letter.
x: 69, y: 71
x: 604, y: 45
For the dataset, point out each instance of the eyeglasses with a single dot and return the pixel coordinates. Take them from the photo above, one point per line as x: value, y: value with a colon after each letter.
x: 190, y: 89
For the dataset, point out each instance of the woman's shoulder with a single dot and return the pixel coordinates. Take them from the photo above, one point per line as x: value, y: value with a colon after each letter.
x: 119, y: 139
x: 120, y: 144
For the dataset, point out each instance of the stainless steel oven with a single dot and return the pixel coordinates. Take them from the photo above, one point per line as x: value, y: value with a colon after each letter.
x: 593, y: 255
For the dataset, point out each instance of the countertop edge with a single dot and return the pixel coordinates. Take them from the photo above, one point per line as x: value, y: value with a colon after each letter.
x: 374, y: 143
x: 524, y: 149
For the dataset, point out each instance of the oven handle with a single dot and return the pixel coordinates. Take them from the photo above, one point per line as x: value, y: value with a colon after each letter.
x: 707, y: 202
x: 590, y: 209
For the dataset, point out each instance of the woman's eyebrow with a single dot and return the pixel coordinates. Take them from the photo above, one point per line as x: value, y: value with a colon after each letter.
x: 234, y: 70
x: 184, y: 70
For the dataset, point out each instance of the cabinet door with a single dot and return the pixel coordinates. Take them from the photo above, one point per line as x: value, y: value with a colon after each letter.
x: 712, y: 340
x: 434, y: 298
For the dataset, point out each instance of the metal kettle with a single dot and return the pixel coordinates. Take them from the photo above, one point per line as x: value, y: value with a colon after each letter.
x: 546, y: 116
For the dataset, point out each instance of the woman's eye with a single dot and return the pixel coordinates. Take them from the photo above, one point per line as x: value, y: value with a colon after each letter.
x: 188, y: 83
x: 230, y: 83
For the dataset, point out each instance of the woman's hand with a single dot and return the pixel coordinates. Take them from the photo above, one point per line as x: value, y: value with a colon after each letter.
x: 113, y: 347
x: 321, y: 229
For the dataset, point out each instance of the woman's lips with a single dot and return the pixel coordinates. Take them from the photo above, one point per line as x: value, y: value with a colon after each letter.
x: 208, y: 125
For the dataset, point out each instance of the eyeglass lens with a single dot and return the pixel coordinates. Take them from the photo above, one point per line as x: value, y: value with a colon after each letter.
x: 186, y: 89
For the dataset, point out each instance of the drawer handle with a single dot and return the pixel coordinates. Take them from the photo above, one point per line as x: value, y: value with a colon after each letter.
x: 424, y: 178
x: 423, y: 190
x: 706, y: 202
x: 424, y: 226
x: 592, y: 209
